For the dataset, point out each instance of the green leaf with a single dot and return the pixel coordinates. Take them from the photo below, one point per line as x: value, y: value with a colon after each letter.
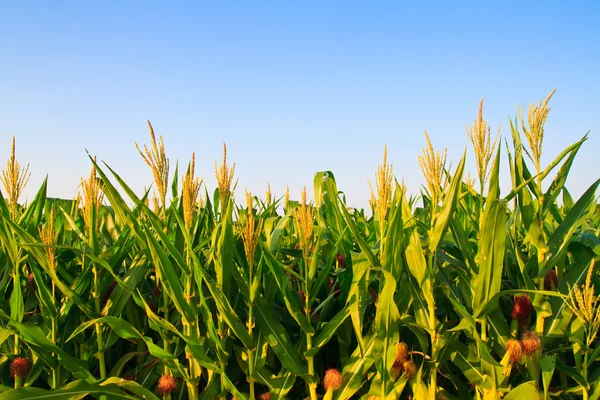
x: 525, y: 391
x: 491, y: 255
x: 386, y: 326
x: 117, y: 369
x: 392, y: 242
x: 356, y: 297
x: 17, y: 307
x: 489, y: 306
x: 43, y: 294
x: 112, y: 388
x: 223, y: 244
x: 558, y: 242
x: 444, y: 217
x: 354, y: 369
x: 170, y: 279
x: 547, y: 365
x: 467, y: 362
x: 292, y: 302
x: 274, y: 332
x: 36, y: 250
x: 226, y: 311
x: 327, y: 331
x: 44, y: 348
x: 364, y: 247
x: 282, y: 385
x: 33, y: 214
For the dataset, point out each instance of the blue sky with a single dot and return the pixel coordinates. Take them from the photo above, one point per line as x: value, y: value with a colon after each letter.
x: 292, y: 87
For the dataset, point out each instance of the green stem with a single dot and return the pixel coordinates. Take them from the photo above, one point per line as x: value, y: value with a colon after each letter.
x: 480, y: 210
x: 55, y: 371
x: 193, y: 367
x: 484, y: 329
x: 18, y: 379
x: 98, y: 326
x: 310, y: 360
x: 166, y: 317
x: 101, y: 359
x: 311, y: 367
x: 223, y: 366
x: 433, y: 377
x: 251, y: 353
x: 584, y: 368
x: 18, y: 382
x: 433, y: 383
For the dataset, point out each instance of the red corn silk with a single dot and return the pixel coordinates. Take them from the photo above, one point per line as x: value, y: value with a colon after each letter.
x: 302, y: 298
x: 108, y: 292
x: 373, y: 295
x: 19, y: 367
x: 332, y: 380
x: 30, y: 281
x: 550, y: 280
x: 166, y: 385
x: 152, y: 305
x: 521, y: 308
x: 341, y: 261
x: 335, y: 288
x: 530, y: 342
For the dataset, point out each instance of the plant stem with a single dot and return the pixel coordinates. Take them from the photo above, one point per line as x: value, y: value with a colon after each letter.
x: 584, y: 368
x: 484, y: 329
x: 433, y: 383
x: 311, y: 367
x: 55, y: 371
x: 193, y: 368
x: 433, y: 328
x: 98, y: 326
x: 18, y: 382
x: 166, y: 317
x: 307, y: 302
x: 18, y: 379
x: 251, y: 353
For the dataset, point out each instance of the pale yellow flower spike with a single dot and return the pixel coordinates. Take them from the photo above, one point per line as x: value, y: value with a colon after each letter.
x: 14, y: 179
x: 433, y: 164
x: 268, y: 194
x: 469, y: 181
x: 92, y: 197
x: 224, y: 176
x: 251, y: 232
x: 586, y: 305
x: 383, y: 184
x: 303, y: 218
x: 159, y: 164
x: 534, y: 130
x: 286, y: 197
x: 479, y: 135
x: 190, y: 190
x: 48, y: 237
x: 372, y: 197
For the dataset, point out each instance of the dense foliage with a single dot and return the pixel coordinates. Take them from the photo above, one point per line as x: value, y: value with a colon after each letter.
x: 458, y: 293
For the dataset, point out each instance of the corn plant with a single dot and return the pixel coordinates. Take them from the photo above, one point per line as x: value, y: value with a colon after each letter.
x: 450, y: 293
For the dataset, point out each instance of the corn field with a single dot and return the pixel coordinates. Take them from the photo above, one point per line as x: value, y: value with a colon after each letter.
x: 460, y: 292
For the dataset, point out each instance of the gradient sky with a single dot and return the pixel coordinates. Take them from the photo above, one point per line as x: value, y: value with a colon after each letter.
x: 292, y: 87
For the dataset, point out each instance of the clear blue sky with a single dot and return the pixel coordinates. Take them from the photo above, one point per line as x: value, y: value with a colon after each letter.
x: 292, y: 87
